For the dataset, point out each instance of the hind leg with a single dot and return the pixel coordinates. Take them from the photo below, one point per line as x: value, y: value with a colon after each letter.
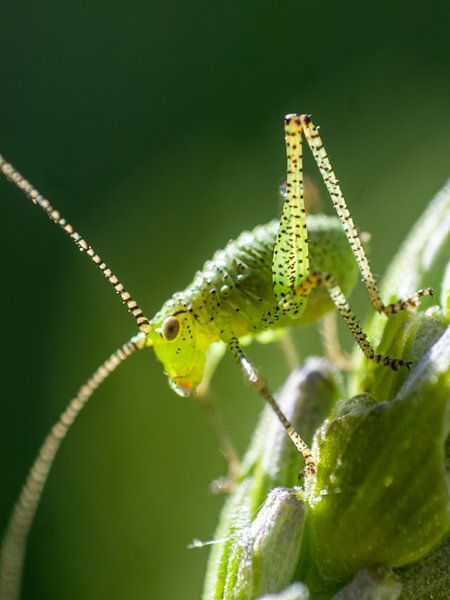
x: 344, y: 309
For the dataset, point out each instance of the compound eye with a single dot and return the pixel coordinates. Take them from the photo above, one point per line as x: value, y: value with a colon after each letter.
x: 170, y: 328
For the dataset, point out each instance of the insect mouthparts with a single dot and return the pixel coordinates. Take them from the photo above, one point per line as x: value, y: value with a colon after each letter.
x: 183, y: 389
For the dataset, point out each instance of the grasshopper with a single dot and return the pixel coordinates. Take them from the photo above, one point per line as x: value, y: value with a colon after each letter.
x: 278, y: 275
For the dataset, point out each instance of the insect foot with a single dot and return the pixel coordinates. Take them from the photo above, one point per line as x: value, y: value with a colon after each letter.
x: 410, y: 304
x: 393, y: 363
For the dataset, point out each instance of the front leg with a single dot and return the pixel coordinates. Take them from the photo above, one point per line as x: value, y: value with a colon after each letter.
x: 260, y: 385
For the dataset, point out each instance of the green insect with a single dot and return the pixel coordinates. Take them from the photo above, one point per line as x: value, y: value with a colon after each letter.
x: 282, y: 274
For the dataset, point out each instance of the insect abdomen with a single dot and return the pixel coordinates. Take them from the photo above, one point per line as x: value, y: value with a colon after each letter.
x: 234, y: 291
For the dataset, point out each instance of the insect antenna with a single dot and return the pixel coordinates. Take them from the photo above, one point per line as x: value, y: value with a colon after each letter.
x: 14, y: 544
x: 54, y: 215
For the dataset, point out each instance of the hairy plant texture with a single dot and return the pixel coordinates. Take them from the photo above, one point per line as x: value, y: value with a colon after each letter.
x: 374, y: 524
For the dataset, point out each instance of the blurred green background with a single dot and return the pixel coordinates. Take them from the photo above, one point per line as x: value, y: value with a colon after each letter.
x: 156, y: 128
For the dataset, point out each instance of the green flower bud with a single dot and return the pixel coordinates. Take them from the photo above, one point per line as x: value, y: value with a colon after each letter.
x: 264, y: 553
x: 277, y: 538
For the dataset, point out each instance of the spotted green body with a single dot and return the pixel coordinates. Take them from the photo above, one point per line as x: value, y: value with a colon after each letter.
x: 233, y: 295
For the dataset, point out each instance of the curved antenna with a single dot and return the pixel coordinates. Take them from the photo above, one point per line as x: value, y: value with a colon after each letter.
x: 29, y: 190
x: 14, y: 544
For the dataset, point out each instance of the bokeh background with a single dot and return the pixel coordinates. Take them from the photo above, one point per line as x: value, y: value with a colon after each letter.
x: 156, y: 128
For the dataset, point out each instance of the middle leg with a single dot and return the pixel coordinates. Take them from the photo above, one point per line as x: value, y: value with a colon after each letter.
x: 330, y: 342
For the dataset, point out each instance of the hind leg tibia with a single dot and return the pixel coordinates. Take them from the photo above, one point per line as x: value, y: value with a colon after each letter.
x: 344, y: 309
